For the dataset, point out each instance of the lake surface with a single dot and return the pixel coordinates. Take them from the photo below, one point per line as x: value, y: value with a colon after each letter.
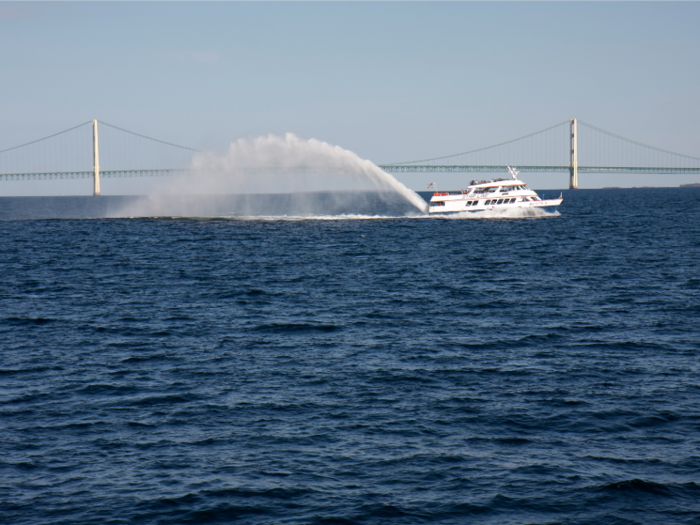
x: 352, y: 370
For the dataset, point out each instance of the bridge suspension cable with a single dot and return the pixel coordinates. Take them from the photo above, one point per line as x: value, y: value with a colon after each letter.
x: 607, y: 149
x: 484, y: 148
x: 69, y: 150
x: 146, y: 137
x: 50, y: 136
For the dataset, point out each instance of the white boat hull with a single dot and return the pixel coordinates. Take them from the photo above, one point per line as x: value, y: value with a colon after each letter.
x: 461, y: 206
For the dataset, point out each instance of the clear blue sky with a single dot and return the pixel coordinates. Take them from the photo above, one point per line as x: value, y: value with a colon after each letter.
x: 391, y: 81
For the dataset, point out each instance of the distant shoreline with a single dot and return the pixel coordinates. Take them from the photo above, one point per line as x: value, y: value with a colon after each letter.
x: 693, y: 185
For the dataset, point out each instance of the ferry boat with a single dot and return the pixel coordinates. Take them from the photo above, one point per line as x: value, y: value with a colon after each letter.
x: 495, y: 194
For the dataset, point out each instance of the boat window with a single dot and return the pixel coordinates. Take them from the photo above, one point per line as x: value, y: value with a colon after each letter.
x: 438, y: 203
x: 500, y: 201
x: 512, y: 201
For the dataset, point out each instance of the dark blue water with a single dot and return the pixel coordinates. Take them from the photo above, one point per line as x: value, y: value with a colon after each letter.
x: 381, y: 371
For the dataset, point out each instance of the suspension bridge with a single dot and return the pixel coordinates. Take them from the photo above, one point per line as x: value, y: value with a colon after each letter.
x: 571, y: 146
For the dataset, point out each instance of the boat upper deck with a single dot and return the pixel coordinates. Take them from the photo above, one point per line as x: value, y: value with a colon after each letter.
x: 488, y: 186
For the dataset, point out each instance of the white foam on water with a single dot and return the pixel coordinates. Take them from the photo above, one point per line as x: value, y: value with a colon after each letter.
x: 502, y: 213
x: 484, y: 215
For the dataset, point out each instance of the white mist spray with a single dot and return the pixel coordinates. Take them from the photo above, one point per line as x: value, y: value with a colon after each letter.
x: 280, y: 176
x: 289, y: 164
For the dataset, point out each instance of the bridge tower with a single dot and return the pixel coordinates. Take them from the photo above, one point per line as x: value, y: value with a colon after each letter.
x: 573, y: 164
x: 96, y: 159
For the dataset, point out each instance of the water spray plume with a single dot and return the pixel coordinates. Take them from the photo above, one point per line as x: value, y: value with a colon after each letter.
x: 289, y: 164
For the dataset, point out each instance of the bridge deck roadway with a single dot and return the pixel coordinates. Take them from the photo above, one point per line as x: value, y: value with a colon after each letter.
x: 387, y: 167
x: 532, y: 169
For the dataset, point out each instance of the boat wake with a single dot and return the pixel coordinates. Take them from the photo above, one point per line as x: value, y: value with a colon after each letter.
x: 501, y: 213
x: 533, y: 213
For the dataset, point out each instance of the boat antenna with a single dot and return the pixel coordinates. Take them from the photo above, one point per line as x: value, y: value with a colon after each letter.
x: 513, y: 172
